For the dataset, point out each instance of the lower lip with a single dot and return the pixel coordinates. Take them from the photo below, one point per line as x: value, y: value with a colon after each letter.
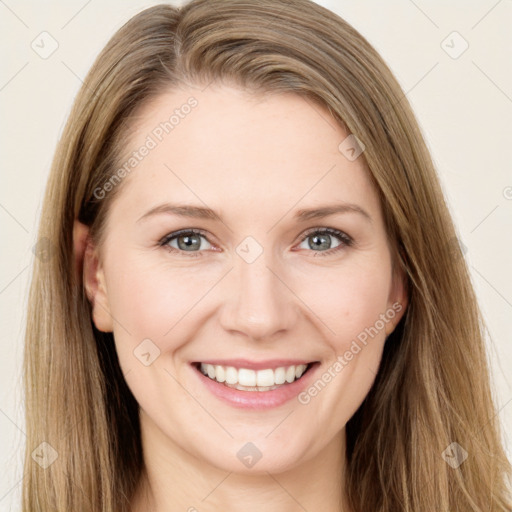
x: 257, y: 399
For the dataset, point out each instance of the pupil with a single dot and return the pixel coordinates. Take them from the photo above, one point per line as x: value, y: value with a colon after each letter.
x: 320, y: 241
x: 187, y: 242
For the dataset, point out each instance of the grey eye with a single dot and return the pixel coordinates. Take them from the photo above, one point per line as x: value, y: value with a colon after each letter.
x: 189, y: 242
x: 320, y: 242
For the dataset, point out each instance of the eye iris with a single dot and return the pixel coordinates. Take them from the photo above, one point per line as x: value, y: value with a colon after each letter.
x: 189, y: 242
x: 320, y: 242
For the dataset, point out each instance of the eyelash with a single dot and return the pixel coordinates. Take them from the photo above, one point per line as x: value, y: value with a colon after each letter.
x: 345, y: 240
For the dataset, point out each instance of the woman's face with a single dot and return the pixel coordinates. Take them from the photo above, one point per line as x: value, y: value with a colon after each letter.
x: 288, y: 265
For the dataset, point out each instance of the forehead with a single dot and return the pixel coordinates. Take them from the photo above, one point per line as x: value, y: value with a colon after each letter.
x: 222, y: 143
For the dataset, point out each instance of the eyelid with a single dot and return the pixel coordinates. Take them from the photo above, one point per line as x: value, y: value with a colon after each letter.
x: 345, y: 239
x: 330, y: 231
x: 164, y: 242
x: 170, y: 236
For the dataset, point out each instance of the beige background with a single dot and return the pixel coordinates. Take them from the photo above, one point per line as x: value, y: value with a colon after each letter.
x: 464, y: 106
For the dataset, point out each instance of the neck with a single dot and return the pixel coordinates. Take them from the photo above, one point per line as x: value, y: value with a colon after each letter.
x: 174, y: 479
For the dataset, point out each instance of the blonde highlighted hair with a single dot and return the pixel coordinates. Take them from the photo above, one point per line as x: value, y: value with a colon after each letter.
x: 433, y: 387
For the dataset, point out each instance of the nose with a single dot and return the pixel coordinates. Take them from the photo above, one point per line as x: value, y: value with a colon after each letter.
x: 259, y: 304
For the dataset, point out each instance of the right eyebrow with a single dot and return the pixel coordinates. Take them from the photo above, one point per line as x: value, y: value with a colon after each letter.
x: 197, y: 212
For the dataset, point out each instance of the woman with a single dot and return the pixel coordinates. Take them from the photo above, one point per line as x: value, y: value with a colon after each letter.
x: 252, y: 296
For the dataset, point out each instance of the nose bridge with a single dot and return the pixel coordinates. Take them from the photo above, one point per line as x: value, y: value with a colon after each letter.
x: 260, y: 305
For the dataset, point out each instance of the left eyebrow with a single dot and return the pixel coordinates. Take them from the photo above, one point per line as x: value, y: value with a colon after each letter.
x: 325, y: 211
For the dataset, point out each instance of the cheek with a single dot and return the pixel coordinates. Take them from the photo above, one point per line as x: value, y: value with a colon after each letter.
x: 149, y: 299
x: 351, y: 305
x: 348, y: 299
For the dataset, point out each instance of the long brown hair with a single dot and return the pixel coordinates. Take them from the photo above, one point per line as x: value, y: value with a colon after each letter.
x: 433, y: 386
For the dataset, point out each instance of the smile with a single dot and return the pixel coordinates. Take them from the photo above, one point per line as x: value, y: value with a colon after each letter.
x: 255, y: 385
x: 246, y: 379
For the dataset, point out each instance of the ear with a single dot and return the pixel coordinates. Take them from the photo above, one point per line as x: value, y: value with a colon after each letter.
x: 398, y: 298
x: 87, y: 262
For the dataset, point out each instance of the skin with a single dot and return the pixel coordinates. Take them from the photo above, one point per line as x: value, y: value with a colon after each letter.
x: 255, y: 161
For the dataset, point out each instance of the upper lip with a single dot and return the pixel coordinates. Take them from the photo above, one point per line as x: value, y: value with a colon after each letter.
x: 255, y: 365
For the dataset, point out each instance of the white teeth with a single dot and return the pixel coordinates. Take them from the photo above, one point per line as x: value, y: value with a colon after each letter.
x: 246, y: 377
x: 231, y: 374
x: 298, y: 372
x: 280, y: 375
x: 260, y: 380
x: 290, y: 374
x: 265, y: 378
x: 220, y: 373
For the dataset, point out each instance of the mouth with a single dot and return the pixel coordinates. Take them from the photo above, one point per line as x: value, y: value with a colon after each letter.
x: 256, y: 379
x: 255, y: 385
